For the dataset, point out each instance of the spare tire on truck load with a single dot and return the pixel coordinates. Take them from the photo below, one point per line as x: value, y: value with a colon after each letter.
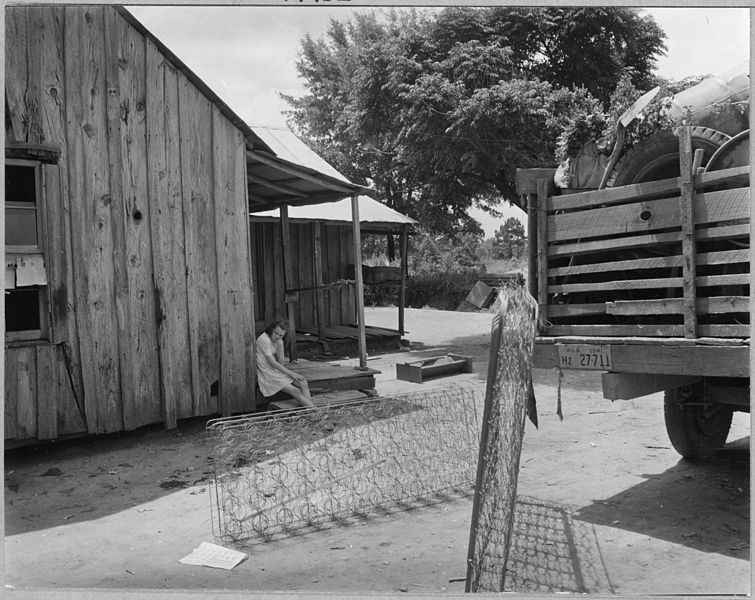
x: 657, y: 157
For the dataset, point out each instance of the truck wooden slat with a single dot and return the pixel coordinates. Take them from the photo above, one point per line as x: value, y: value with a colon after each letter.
x: 709, y: 207
x: 736, y: 177
x: 644, y: 241
x: 648, y: 330
x: 716, y: 305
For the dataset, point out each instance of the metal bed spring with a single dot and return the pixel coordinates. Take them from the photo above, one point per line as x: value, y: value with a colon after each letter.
x: 281, y: 472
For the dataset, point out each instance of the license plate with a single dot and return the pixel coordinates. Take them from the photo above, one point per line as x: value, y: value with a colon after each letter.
x: 584, y: 356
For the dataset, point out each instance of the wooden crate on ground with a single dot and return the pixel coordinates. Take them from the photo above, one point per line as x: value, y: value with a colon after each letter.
x: 436, y: 366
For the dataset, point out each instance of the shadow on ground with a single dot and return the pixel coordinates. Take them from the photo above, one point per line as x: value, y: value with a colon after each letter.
x: 687, y: 504
x: 551, y: 552
x: 56, y: 483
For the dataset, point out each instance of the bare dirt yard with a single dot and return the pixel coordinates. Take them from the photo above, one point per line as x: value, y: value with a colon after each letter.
x: 117, y: 512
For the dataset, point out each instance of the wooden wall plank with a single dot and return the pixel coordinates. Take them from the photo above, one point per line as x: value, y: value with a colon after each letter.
x: 348, y: 293
x: 711, y: 207
x: 123, y: 311
x: 319, y: 296
x: 166, y: 233
x: 70, y: 418
x: 25, y: 392
x: 201, y: 253
x: 91, y: 216
x: 333, y: 273
x: 307, y: 301
x: 56, y: 199
x: 268, y: 287
x: 10, y: 396
x: 257, y: 266
x: 278, y: 273
x: 48, y: 395
x: 16, y: 69
x: 234, y: 279
x: 33, y: 118
x: 142, y: 405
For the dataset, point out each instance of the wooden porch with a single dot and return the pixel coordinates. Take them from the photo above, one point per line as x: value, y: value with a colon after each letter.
x: 344, y: 340
x: 329, y: 384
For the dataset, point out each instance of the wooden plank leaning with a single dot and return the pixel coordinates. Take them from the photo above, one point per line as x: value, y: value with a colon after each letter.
x: 542, y: 251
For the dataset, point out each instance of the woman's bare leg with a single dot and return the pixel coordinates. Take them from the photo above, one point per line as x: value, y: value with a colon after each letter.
x: 302, y: 396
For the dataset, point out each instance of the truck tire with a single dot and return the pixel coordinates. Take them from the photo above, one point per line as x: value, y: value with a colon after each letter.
x: 695, y: 430
x: 733, y: 153
x: 657, y: 156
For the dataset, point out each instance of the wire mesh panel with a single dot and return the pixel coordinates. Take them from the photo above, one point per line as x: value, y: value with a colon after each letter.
x: 508, y: 388
x: 279, y: 473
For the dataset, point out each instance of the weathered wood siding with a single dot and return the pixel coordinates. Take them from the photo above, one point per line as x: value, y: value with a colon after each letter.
x: 336, y: 252
x: 146, y: 237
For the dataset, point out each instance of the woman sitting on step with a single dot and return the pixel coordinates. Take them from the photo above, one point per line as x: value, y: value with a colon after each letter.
x: 272, y: 375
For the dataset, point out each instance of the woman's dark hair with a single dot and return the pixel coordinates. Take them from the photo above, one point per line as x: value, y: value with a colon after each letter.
x: 277, y: 323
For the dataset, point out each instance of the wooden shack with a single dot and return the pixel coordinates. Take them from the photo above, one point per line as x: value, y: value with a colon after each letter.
x: 129, y: 296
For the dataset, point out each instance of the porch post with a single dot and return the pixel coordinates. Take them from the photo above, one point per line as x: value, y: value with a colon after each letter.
x: 288, y: 282
x: 404, y: 269
x: 359, y: 282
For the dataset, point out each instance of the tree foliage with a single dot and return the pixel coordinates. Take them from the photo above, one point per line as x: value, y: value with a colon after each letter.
x: 509, y: 240
x: 436, y: 110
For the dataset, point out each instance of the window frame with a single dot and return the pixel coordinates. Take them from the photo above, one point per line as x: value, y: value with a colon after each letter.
x: 43, y: 333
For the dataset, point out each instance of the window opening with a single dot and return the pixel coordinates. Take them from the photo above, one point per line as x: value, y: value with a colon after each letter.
x: 25, y: 276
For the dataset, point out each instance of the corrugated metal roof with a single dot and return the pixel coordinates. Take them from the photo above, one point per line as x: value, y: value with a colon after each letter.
x: 286, y: 145
x: 370, y: 211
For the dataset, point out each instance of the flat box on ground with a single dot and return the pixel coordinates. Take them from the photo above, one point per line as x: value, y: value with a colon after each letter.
x: 421, y: 370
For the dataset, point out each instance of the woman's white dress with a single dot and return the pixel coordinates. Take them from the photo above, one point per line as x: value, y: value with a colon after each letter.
x: 269, y: 380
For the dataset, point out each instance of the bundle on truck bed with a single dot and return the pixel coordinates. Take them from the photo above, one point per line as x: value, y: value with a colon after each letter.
x: 649, y: 283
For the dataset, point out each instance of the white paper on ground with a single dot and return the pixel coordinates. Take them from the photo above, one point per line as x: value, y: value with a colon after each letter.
x: 212, y: 555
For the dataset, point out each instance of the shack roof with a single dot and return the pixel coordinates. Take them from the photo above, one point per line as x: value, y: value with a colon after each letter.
x: 272, y: 180
x: 373, y: 215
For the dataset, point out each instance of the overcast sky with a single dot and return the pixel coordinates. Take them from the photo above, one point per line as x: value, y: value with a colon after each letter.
x: 247, y: 54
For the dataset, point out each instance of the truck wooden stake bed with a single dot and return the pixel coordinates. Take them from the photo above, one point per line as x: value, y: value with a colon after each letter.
x: 650, y: 284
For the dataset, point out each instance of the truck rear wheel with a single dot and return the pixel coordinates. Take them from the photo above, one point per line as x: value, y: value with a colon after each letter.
x: 695, y: 430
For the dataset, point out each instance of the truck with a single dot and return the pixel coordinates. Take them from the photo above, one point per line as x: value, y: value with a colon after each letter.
x: 646, y: 276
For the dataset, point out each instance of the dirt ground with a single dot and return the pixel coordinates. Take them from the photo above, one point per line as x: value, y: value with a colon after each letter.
x: 117, y: 512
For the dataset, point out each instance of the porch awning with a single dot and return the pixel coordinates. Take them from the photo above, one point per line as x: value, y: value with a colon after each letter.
x: 274, y: 181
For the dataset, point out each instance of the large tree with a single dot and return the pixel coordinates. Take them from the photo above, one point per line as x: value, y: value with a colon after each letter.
x: 437, y: 109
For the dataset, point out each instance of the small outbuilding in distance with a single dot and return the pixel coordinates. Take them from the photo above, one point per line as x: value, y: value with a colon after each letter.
x: 314, y: 245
